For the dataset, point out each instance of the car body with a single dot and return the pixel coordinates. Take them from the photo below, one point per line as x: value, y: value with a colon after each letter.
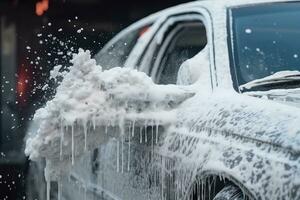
x: 223, y: 135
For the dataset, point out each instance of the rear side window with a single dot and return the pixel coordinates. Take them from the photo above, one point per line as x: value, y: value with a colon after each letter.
x: 117, y: 53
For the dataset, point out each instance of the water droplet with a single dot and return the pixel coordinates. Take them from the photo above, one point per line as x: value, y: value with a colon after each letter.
x: 248, y: 31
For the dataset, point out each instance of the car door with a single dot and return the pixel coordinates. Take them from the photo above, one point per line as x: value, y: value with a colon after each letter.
x: 180, y: 38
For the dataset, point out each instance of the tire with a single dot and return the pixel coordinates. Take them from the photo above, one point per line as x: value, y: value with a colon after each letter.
x: 229, y: 192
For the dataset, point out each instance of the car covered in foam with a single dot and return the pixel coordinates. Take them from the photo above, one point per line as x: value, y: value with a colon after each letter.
x: 236, y: 136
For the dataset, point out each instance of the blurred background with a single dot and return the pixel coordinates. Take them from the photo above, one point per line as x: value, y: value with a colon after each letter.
x: 36, y: 35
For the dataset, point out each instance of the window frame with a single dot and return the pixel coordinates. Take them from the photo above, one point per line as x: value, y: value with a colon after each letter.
x: 200, y: 14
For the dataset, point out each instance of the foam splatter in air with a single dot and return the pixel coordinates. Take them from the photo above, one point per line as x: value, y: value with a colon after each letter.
x: 90, y: 99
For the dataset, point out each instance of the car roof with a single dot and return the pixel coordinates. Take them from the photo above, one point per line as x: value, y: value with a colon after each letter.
x: 228, y: 3
x: 211, y: 5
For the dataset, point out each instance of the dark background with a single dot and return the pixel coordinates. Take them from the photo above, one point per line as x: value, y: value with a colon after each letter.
x: 31, y: 43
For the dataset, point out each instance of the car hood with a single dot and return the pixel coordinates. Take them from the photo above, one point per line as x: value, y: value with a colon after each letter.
x: 289, y: 97
x: 253, y: 119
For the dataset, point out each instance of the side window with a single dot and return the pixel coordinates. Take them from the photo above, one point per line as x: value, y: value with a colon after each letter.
x: 183, y: 41
x: 117, y: 52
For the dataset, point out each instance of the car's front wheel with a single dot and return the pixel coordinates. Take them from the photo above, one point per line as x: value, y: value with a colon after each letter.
x: 229, y: 192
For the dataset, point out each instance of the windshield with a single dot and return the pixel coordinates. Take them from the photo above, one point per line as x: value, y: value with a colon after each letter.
x: 266, y: 40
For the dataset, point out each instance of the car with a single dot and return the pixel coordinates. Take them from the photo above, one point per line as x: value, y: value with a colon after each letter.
x: 237, y: 138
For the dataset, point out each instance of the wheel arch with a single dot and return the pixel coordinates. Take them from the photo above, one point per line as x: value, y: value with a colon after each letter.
x: 221, y: 178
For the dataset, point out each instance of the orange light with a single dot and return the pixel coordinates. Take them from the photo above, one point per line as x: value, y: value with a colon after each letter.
x: 41, y: 7
x: 143, y: 30
x: 22, y: 87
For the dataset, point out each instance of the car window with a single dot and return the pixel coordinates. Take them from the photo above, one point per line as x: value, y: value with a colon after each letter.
x: 180, y: 41
x: 116, y: 54
x: 188, y: 40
